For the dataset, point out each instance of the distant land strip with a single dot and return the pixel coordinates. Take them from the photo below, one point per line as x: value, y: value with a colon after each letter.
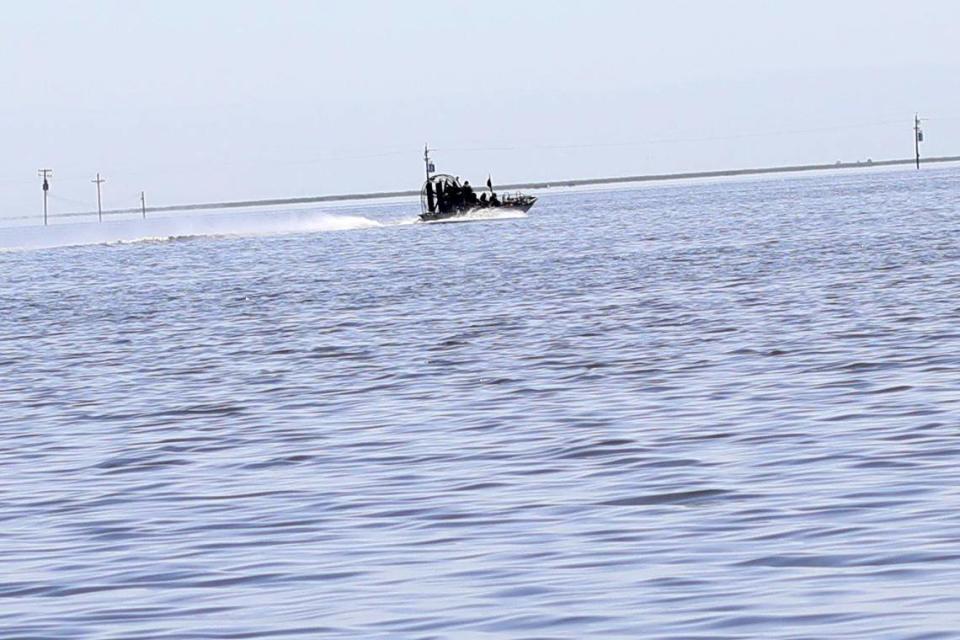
x: 381, y: 195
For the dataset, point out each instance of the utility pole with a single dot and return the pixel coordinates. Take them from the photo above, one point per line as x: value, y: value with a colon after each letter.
x: 917, y: 137
x: 45, y: 173
x: 98, y: 182
x: 143, y: 205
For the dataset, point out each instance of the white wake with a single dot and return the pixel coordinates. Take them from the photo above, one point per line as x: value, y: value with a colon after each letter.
x: 155, y: 229
x: 483, y: 214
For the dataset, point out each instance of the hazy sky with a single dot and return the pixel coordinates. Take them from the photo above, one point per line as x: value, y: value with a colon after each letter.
x: 218, y: 100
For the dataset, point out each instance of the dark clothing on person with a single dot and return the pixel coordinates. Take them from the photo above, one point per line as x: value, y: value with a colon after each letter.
x: 469, y: 197
x: 442, y: 205
x: 453, y: 197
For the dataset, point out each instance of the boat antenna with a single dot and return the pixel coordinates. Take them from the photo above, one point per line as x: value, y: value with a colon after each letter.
x: 426, y: 161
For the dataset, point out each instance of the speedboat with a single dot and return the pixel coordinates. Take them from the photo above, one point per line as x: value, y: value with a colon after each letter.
x: 444, y: 197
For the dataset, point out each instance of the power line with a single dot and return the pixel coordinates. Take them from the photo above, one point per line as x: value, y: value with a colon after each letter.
x: 530, y: 185
x: 59, y: 198
x: 392, y: 151
x: 387, y: 152
x: 637, y: 143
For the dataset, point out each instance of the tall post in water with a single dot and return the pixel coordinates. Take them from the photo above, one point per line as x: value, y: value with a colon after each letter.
x: 98, y: 182
x: 143, y: 205
x: 917, y: 137
x: 45, y: 173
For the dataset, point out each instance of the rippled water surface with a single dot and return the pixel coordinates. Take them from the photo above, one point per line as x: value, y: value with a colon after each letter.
x: 706, y: 410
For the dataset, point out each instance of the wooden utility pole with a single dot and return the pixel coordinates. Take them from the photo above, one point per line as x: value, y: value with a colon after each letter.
x: 917, y: 137
x: 143, y: 205
x: 45, y: 173
x: 98, y: 182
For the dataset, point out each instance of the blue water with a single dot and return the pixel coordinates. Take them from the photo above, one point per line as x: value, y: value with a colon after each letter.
x: 700, y: 410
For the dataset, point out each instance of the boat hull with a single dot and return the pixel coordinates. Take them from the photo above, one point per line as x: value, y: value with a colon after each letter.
x: 521, y: 207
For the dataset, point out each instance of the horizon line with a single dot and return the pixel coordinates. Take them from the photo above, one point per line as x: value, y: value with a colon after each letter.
x: 552, y: 184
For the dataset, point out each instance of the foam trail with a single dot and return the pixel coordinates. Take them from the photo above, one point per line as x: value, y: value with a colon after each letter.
x: 251, y: 224
x: 484, y: 214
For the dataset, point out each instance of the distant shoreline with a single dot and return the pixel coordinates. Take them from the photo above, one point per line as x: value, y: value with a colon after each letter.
x: 726, y: 173
x: 382, y: 195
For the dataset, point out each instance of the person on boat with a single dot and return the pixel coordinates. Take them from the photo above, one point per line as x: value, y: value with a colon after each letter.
x: 469, y: 197
x: 494, y: 200
x: 441, y: 199
x: 483, y: 200
x: 455, y: 195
